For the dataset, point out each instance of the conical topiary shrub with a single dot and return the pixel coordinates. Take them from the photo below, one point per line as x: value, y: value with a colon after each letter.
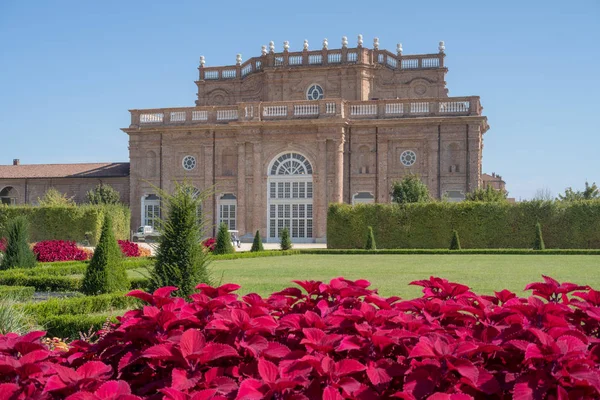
x: 223, y: 245
x: 181, y: 260
x: 286, y: 242
x: 257, y: 243
x: 538, y: 243
x: 370, y: 242
x: 18, y: 254
x: 455, y: 241
x: 105, y: 272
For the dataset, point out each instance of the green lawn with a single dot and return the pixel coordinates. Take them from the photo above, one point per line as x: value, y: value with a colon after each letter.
x: 392, y: 273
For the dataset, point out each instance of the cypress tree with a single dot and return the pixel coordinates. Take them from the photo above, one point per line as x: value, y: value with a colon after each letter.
x: 105, y: 272
x: 257, y: 243
x: 180, y: 259
x: 455, y: 241
x: 370, y: 242
x: 223, y: 245
x: 18, y: 254
x: 286, y: 242
x: 538, y: 243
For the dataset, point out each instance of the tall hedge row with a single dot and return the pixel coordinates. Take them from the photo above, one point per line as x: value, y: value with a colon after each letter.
x: 68, y: 223
x: 565, y: 225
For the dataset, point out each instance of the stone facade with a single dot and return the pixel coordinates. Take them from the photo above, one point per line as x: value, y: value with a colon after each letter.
x: 280, y: 136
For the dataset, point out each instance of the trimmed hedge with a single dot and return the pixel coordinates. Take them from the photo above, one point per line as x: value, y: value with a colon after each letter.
x: 254, y: 254
x: 68, y: 223
x: 69, y: 326
x: 589, y: 252
x: 80, y: 305
x: 565, y: 225
x: 17, y: 293
x: 42, y: 282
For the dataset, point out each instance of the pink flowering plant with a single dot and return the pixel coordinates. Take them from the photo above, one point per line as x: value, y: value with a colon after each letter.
x: 331, y: 341
x: 129, y: 249
x: 58, y: 250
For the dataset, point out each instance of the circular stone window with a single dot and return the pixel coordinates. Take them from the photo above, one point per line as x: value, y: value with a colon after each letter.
x: 314, y: 92
x: 408, y: 158
x: 189, y: 163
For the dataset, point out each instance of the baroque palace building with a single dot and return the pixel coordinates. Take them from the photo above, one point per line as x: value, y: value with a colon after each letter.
x: 280, y: 136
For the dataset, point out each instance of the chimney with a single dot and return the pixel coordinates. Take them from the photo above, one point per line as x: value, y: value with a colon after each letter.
x: 16, y: 161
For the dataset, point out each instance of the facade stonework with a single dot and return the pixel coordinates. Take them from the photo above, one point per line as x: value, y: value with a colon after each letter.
x: 279, y: 137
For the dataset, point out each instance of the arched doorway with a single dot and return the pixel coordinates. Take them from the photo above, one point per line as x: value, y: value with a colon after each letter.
x: 290, y: 197
x: 8, y: 196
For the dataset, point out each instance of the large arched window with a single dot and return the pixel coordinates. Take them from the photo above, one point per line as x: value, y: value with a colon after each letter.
x: 290, y: 197
x: 8, y: 196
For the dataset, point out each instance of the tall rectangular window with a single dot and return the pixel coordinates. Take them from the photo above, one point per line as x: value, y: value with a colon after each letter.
x: 228, y: 211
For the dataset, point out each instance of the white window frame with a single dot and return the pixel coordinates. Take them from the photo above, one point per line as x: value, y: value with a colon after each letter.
x: 155, y: 204
x: 230, y: 204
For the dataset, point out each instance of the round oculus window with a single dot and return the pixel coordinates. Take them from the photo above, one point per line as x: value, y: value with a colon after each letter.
x: 189, y: 163
x: 314, y: 92
x: 408, y: 158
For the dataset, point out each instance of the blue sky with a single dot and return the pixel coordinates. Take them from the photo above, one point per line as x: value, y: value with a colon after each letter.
x: 70, y: 70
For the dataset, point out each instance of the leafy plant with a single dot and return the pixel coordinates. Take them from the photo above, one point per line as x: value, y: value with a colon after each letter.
x: 257, y: 244
x: 103, y: 194
x: 181, y: 260
x: 129, y: 249
x: 18, y: 253
x: 538, y: 243
x: 286, y: 242
x: 3, y: 243
x: 455, y: 241
x: 370, y: 241
x: 58, y: 250
x: 54, y: 198
x: 209, y: 243
x: 487, y: 194
x: 410, y: 190
x: 13, y: 319
x: 105, y: 272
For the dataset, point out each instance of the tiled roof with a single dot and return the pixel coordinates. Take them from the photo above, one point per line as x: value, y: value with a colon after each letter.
x: 88, y: 170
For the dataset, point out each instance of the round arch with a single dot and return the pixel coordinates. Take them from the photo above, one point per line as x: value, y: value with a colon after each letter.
x: 9, y: 195
x: 290, y: 197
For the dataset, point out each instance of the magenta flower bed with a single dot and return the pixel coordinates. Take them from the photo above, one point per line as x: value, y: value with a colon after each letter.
x: 331, y: 341
x: 3, y: 243
x: 58, y: 250
x: 210, y: 243
x: 129, y: 249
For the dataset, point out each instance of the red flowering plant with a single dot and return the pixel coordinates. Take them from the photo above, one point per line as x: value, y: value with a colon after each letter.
x: 210, y: 243
x: 129, y: 249
x: 58, y: 250
x: 3, y: 244
x: 332, y: 341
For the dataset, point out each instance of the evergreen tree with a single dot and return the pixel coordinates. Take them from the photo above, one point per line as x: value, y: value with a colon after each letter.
x: 370, y: 242
x: 286, y: 242
x: 591, y: 192
x: 410, y: 190
x: 257, y: 243
x: 18, y: 254
x: 103, y: 194
x: 224, y: 244
x: 180, y: 259
x: 538, y: 243
x: 455, y: 241
x: 105, y: 272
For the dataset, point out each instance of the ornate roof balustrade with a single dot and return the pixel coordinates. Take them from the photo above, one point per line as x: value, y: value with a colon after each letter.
x: 307, y: 109
x: 324, y: 57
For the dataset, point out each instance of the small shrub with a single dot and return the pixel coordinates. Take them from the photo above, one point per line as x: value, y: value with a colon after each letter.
x: 209, y: 244
x: 17, y: 293
x: 257, y: 244
x: 13, y: 319
x: 538, y: 243
x: 370, y: 241
x: 410, y: 189
x: 103, y: 194
x: 58, y: 250
x: 144, y: 251
x: 18, y: 253
x: 129, y: 249
x: 455, y: 241
x: 286, y: 242
x: 224, y: 244
x: 54, y: 198
x: 105, y: 272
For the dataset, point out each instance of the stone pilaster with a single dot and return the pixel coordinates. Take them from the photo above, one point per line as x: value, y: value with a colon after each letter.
x: 338, y: 187
x: 209, y: 203
x: 382, y: 170
x: 257, y: 203
x: 241, y: 189
x: 320, y: 192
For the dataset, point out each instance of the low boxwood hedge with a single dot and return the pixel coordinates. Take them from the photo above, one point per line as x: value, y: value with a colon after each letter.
x: 17, y: 293
x: 447, y: 251
x: 42, y: 282
x: 247, y: 254
x: 69, y: 326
